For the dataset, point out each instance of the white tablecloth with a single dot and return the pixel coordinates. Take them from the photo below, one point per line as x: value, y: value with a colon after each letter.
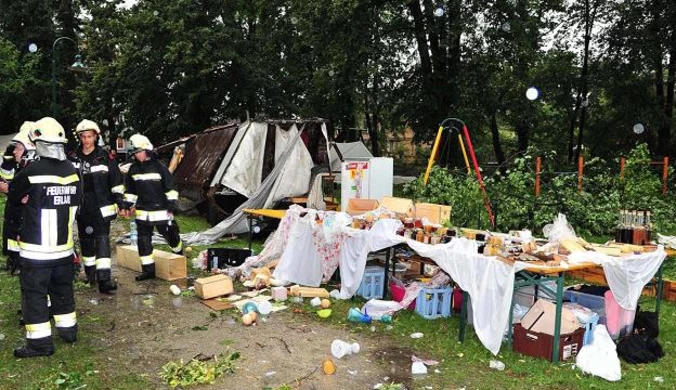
x: 488, y: 281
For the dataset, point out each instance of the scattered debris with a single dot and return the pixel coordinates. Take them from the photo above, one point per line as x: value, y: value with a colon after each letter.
x: 340, y: 348
x: 497, y: 365
x: 416, y: 335
x: 328, y: 367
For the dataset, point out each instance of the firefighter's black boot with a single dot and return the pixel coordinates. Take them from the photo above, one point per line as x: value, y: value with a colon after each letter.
x: 90, y: 272
x: 35, y: 348
x: 147, y: 273
x: 106, y: 285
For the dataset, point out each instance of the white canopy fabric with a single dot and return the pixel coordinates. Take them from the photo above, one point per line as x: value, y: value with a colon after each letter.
x: 289, y: 177
x: 245, y: 172
x: 348, y: 151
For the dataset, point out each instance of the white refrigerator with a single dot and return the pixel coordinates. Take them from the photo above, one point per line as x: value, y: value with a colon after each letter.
x: 366, y: 179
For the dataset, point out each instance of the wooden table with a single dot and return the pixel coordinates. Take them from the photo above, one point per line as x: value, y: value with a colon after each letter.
x: 252, y: 214
x: 537, y: 276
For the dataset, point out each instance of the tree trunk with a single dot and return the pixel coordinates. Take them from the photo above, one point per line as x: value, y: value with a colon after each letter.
x: 371, y: 127
x: 589, y: 24
x: 420, y: 36
x: 665, y: 131
x: 573, y: 123
x: 497, y: 146
x: 522, y: 131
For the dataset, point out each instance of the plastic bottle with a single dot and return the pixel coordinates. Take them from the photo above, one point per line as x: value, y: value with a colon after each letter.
x: 386, y: 319
x: 133, y: 233
x: 340, y: 348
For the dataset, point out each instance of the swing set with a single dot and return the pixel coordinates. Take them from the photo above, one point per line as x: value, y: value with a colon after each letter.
x: 449, y: 124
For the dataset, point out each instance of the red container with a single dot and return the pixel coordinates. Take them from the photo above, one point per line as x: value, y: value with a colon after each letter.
x: 398, y: 293
x: 541, y: 345
x: 457, y: 300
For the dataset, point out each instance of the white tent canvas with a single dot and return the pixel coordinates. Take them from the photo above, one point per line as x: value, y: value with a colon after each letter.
x: 240, y: 171
x: 339, y: 152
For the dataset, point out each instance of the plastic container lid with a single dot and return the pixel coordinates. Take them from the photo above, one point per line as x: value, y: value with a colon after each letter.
x: 265, y: 307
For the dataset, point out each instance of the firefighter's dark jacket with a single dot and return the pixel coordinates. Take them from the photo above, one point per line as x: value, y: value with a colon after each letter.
x: 102, y: 182
x: 53, y: 192
x: 149, y: 186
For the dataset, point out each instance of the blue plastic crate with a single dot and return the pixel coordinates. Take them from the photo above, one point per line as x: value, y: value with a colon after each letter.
x: 595, y: 303
x: 372, y: 283
x: 434, y: 302
x: 589, y: 329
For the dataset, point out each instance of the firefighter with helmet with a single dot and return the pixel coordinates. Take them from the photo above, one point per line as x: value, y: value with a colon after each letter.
x: 23, y: 153
x: 102, y: 196
x: 50, y: 186
x: 149, y: 188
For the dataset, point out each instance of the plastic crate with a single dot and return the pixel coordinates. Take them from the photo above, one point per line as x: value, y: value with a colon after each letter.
x: 525, y: 296
x: 595, y: 303
x: 589, y: 329
x: 434, y: 303
x: 372, y: 283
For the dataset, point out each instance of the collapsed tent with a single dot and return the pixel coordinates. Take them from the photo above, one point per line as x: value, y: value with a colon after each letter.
x: 262, y: 162
x: 340, y: 152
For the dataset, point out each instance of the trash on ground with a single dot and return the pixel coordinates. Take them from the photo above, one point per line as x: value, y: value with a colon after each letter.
x: 340, y: 348
x: 328, y: 367
x: 355, y: 315
x: 175, y: 289
x: 416, y: 335
x: 418, y: 368
x: 324, y: 313
x: 496, y: 365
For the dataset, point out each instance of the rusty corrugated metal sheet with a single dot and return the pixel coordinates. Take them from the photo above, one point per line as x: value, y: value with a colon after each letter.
x: 203, y: 153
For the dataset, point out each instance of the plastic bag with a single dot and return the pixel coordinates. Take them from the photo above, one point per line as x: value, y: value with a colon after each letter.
x: 600, y: 357
x: 558, y: 230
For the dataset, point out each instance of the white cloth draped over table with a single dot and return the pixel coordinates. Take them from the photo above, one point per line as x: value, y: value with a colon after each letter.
x: 488, y: 281
x: 626, y: 275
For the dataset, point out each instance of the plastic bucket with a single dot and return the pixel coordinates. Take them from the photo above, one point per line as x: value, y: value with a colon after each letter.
x: 398, y: 293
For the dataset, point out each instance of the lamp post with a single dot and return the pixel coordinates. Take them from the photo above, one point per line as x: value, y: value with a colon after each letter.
x: 77, y: 65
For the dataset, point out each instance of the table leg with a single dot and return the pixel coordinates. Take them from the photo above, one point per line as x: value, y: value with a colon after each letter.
x: 250, y: 220
x: 463, y: 316
x: 660, y: 286
x: 557, y: 320
x: 510, y: 330
x: 388, y: 258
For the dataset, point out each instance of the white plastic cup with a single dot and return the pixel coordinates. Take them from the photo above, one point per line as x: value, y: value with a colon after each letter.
x: 340, y: 348
x: 316, y: 301
x: 264, y: 307
x: 175, y: 289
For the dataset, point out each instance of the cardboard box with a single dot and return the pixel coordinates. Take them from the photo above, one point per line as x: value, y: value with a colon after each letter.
x: 436, y: 213
x: 361, y: 206
x: 213, y: 286
x: 541, y: 317
x: 402, y: 207
x: 168, y: 266
x: 541, y: 345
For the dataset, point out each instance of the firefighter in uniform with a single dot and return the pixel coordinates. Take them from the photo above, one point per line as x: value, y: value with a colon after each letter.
x: 103, y: 193
x: 149, y: 187
x: 50, y: 186
x: 23, y: 154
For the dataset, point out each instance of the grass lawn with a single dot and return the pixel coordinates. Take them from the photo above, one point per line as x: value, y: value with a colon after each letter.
x: 462, y: 365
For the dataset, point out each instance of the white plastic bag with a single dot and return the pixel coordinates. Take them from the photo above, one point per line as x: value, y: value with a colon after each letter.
x: 559, y: 230
x: 600, y: 357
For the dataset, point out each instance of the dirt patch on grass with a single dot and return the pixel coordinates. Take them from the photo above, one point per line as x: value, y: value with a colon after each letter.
x: 143, y: 326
